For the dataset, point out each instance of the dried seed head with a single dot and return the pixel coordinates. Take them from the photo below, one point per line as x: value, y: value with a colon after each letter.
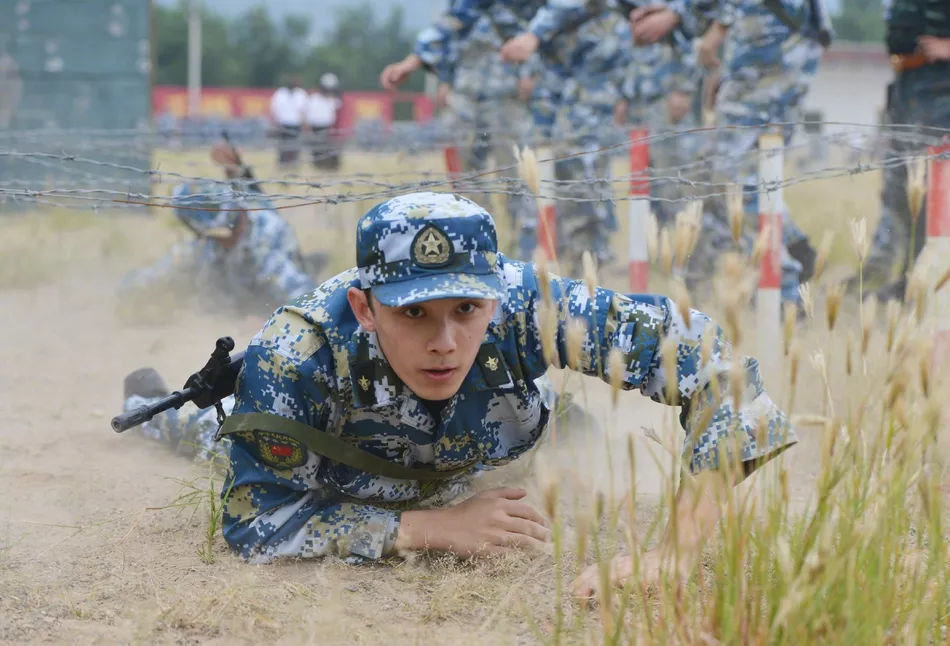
x: 790, y: 315
x: 668, y: 351
x: 942, y: 281
x: 824, y: 250
x: 917, y: 292
x: 734, y: 200
x: 681, y: 297
x: 615, y: 370
x: 737, y: 383
x: 544, y: 276
x: 794, y: 355
x: 761, y: 244
x: 686, y: 232
x: 833, y: 297
x: 916, y: 186
x: 849, y: 344
x: 528, y: 169
x: 666, y: 251
x: 893, y: 313
x: 550, y: 498
x: 860, y: 239
x: 706, y: 347
x: 547, y: 317
x: 808, y: 304
x: 576, y: 334
x: 590, y: 273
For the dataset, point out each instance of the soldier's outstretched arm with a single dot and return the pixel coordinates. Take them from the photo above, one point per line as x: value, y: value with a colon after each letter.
x: 670, y: 359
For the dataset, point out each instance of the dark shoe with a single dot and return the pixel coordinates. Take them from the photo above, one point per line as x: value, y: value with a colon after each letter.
x: 805, y: 254
x: 145, y: 382
x: 892, y: 291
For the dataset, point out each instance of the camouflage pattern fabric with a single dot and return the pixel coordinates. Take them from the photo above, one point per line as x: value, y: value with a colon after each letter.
x: 767, y: 69
x: 313, y: 363
x: 581, y: 56
x: 188, y: 431
x: 264, y: 265
x: 488, y: 117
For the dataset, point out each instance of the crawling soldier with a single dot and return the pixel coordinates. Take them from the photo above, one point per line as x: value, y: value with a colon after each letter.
x: 365, y: 407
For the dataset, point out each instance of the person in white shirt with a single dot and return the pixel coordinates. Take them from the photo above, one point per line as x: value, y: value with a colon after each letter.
x: 287, y: 107
x: 323, y: 104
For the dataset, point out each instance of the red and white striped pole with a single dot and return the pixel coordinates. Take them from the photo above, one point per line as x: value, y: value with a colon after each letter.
x: 453, y: 163
x: 937, y: 246
x: 769, y: 296
x: 547, y: 213
x: 638, y: 261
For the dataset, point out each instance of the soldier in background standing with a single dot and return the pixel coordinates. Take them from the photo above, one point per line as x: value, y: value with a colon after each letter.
x: 287, y: 107
x: 577, y: 46
x: 918, y: 40
x: 489, y: 118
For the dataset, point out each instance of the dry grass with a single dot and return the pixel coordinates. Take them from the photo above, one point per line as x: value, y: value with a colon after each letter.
x: 841, y: 541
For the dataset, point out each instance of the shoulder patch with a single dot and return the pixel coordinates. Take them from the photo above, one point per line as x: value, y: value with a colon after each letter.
x: 279, y: 451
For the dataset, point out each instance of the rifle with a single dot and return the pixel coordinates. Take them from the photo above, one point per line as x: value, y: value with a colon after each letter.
x: 205, y: 388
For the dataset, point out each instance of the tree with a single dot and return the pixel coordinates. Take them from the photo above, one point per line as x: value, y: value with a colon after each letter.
x: 861, y: 20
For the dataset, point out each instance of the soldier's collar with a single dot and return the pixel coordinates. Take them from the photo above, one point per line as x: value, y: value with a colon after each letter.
x: 375, y: 383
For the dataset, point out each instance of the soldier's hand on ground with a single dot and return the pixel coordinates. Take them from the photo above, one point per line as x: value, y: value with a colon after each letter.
x: 934, y: 48
x: 654, y: 564
x: 395, y: 74
x: 487, y: 523
x: 709, y: 44
x: 520, y: 48
x: 650, y: 24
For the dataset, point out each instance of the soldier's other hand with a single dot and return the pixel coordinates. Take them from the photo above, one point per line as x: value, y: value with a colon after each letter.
x: 487, y: 523
x: 652, y: 24
x: 654, y: 565
x: 934, y: 48
x: 525, y: 88
x: 677, y: 105
x: 709, y: 44
x: 395, y: 74
x: 520, y: 48
x: 620, y: 112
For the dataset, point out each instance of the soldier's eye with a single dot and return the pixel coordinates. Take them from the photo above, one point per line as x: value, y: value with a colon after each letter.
x: 467, y: 308
x: 414, y: 312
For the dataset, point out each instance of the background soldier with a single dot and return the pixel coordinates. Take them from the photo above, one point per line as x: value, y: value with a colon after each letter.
x: 581, y: 56
x: 918, y: 39
x: 243, y: 252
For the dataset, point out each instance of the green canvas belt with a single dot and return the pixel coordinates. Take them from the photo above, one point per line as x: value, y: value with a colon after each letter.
x: 332, y: 447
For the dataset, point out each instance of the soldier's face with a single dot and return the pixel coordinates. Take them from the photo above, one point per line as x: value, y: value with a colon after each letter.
x: 430, y: 345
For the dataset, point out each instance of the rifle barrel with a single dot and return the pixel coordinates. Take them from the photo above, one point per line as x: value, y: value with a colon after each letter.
x: 142, y: 414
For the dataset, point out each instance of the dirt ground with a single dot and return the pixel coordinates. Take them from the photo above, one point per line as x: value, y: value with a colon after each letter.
x: 93, y: 550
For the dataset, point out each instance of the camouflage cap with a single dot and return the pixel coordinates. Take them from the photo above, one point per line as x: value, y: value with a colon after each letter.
x: 209, y: 208
x: 423, y: 246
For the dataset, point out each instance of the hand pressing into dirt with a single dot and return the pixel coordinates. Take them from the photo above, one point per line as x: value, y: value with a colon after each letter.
x: 654, y: 565
x: 487, y: 523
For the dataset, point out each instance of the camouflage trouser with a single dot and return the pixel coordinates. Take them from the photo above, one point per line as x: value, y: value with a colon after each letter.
x: 489, y: 131
x: 751, y: 97
x: 920, y: 97
x: 188, y: 431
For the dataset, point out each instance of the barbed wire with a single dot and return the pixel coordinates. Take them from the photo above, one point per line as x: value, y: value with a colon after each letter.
x: 74, y: 193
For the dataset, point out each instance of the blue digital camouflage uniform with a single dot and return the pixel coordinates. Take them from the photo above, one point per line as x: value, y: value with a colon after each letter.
x: 918, y: 97
x: 580, y: 56
x: 313, y: 363
x: 653, y: 73
x: 766, y: 71
x: 263, y: 266
x: 488, y: 116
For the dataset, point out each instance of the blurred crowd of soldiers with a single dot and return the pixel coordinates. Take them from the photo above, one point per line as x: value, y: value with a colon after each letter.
x: 565, y: 74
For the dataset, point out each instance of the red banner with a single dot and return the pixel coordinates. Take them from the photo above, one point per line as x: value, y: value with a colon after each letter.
x: 243, y: 103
